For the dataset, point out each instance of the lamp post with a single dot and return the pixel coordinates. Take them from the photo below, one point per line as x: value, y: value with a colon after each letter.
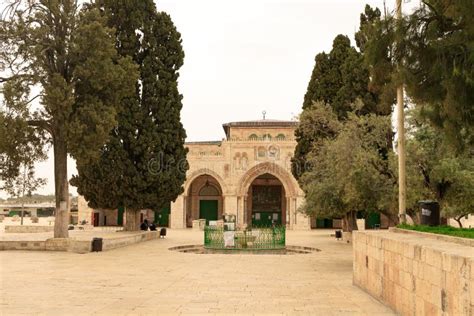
x: 401, y: 136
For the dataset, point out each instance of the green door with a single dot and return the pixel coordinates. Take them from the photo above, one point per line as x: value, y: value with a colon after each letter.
x: 162, y: 217
x: 208, y: 210
x: 373, y: 220
x: 323, y: 223
x: 327, y: 223
x: 266, y: 219
x: 120, y: 216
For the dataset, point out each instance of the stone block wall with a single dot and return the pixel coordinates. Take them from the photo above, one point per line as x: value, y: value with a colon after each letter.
x: 28, y: 229
x: 415, y: 274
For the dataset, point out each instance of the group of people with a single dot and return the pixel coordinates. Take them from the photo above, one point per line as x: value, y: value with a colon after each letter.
x: 145, y: 226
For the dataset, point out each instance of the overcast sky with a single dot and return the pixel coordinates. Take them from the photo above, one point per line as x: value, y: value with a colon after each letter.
x: 246, y: 56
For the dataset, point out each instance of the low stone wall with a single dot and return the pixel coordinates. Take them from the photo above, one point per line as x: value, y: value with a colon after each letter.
x: 75, y: 245
x: 415, y: 274
x: 22, y: 245
x: 112, y: 243
x: 28, y: 229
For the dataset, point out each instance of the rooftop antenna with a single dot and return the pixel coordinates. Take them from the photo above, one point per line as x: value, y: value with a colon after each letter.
x: 264, y: 113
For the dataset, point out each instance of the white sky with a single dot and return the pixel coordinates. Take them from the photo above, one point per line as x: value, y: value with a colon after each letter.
x: 246, y: 56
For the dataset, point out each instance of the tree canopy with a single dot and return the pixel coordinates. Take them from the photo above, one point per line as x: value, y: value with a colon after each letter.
x: 434, y: 52
x: 349, y: 174
x: 61, y: 81
x: 143, y: 165
x: 439, y: 172
x: 339, y: 78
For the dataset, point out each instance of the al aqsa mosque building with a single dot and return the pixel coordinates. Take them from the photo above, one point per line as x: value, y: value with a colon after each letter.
x: 247, y: 174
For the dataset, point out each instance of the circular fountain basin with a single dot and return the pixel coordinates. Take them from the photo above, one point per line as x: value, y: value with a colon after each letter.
x: 288, y: 250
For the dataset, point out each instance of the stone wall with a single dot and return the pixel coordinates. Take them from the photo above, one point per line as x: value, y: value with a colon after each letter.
x: 28, y: 229
x: 77, y: 246
x: 112, y: 243
x: 415, y: 274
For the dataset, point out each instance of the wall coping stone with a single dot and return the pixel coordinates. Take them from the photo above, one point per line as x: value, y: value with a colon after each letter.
x: 458, y: 240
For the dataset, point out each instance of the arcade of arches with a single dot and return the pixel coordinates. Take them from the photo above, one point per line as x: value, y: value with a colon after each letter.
x: 247, y: 174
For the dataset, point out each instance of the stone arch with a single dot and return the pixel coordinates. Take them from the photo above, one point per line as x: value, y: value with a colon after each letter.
x: 279, y: 172
x: 201, y: 172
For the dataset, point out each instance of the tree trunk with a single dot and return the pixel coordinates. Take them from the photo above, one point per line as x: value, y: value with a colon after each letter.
x: 132, y: 220
x: 61, y: 221
x: 349, y: 221
x: 393, y: 219
x: 458, y: 219
x: 353, y: 221
x: 344, y: 223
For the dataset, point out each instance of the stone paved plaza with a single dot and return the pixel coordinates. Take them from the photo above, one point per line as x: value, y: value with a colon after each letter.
x: 147, y: 278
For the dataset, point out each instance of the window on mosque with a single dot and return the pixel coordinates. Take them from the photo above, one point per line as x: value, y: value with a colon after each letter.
x: 280, y: 137
x: 267, y: 137
x: 253, y: 137
x: 261, y: 153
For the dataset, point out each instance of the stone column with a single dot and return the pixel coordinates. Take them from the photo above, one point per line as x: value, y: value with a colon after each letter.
x: 302, y: 222
x: 230, y: 204
x: 245, y: 211
x: 288, y: 213
x: 241, y: 215
x: 178, y: 216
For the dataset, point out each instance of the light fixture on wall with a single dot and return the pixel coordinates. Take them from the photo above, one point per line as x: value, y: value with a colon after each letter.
x: 207, y: 182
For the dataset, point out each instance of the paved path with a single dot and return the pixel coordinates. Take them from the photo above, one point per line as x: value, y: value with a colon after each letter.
x: 147, y: 279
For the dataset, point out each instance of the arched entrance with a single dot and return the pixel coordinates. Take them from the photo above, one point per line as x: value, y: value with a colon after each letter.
x: 266, y: 202
x: 263, y: 174
x: 204, y: 199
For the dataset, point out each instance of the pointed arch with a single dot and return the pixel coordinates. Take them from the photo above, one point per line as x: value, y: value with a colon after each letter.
x: 201, y: 172
x: 287, y: 180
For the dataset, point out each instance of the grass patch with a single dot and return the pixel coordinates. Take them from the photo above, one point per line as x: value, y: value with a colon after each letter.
x: 442, y: 230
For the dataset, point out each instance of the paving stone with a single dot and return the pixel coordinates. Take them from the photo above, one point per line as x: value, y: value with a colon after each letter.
x: 149, y: 279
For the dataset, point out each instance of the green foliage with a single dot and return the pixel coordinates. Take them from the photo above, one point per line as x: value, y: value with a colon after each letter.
x: 61, y: 80
x: 339, y: 79
x: 20, y: 145
x: 431, y: 52
x: 350, y: 174
x: 24, y: 184
x: 317, y: 123
x: 143, y: 164
x: 439, y: 68
x: 376, y: 39
x: 101, y: 80
x: 436, y: 171
x: 442, y: 230
x: 70, y: 58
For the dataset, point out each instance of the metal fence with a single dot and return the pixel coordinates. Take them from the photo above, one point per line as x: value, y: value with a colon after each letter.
x: 267, y: 238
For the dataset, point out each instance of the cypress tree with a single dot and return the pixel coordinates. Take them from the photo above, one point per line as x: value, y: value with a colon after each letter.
x: 143, y: 165
x: 338, y: 79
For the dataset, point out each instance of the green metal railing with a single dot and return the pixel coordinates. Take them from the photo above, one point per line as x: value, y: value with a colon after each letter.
x: 266, y: 238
